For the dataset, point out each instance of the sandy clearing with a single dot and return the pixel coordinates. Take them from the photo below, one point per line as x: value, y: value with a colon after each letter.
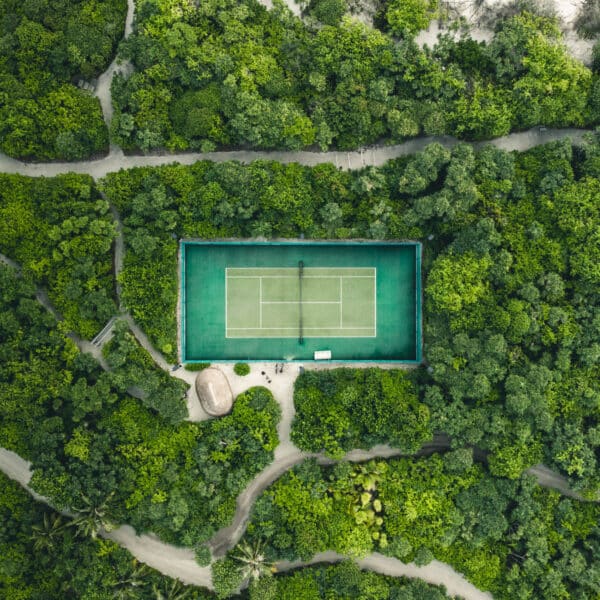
x: 479, y: 16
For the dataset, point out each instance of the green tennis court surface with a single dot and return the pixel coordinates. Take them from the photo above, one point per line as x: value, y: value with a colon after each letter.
x: 286, y: 300
x: 266, y: 302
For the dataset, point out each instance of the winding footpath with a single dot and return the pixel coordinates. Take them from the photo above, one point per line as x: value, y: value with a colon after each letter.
x: 358, y: 159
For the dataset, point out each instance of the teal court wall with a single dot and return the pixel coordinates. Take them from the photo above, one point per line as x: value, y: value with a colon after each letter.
x: 398, y: 293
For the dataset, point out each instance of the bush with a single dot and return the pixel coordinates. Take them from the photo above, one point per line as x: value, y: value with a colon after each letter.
x: 329, y: 12
x: 196, y: 366
x: 241, y: 369
x: 203, y: 555
x: 342, y: 409
x: 408, y: 17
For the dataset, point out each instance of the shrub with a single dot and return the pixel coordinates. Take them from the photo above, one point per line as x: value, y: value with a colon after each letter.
x: 196, y: 366
x: 241, y: 369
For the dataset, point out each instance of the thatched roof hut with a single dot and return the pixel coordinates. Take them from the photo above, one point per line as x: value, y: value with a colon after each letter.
x: 214, y: 392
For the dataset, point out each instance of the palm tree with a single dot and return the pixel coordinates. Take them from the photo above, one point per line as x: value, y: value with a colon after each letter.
x: 48, y: 532
x: 175, y: 591
x: 253, y: 561
x: 92, y: 517
x: 131, y: 584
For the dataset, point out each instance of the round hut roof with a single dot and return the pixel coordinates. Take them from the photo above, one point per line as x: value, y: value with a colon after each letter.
x: 214, y: 392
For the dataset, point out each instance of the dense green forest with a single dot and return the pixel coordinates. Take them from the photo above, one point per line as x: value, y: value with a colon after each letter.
x: 511, y: 289
x: 134, y: 371
x: 61, y: 232
x: 101, y: 451
x: 46, y: 46
x: 342, y: 581
x: 512, y: 301
x: 343, y: 409
x: 46, y: 555
x: 507, y: 536
x: 230, y: 73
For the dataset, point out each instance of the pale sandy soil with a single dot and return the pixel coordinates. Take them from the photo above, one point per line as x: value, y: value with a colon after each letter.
x: 478, y: 14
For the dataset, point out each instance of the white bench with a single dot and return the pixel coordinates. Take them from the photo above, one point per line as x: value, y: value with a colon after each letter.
x: 322, y: 354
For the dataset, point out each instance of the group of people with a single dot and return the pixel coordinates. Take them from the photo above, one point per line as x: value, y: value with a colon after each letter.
x: 278, y: 369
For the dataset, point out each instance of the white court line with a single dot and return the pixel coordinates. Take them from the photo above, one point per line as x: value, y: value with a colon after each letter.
x: 296, y: 268
x: 304, y: 276
x: 341, y: 303
x: 226, y: 303
x: 303, y: 301
x: 295, y: 337
x: 260, y: 303
x: 375, y: 299
x: 296, y: 328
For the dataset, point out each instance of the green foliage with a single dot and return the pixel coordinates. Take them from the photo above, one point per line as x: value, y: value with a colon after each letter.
x: 343, y: 580
x: 226, y: 577
x: 241, y: 369
x: 134, y: 371
x: 511, y: 315
x: 509, y: 537
x: 60, y: 230
x: 338, y: 410
x: 39, y: 549
x: 408, y: 17
x: 237, y: 74
x: 454, y: 283
x: 203, y: 555
x: 329, y: 12
x: 46, y: 46
x: 196, y: 366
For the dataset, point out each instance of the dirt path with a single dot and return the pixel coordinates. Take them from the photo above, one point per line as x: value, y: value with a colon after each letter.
x: 141, y: 337
x: 179, y: 562
x: 102, y: 91
x: 436, y: 573
x: 169, y: 560
x: 375, y: 156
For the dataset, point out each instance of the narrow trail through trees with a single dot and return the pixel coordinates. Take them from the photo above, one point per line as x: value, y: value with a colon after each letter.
x: 358, y: 159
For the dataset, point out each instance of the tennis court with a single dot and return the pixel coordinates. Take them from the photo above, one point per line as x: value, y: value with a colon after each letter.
x: 277, y: 301
x: 320, y: 302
